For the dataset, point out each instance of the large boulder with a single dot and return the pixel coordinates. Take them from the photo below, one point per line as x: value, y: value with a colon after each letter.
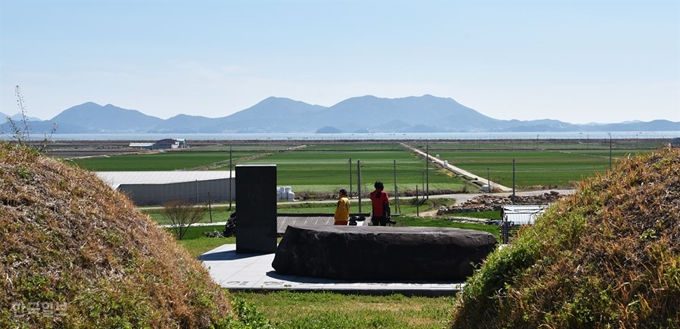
x: 381, y: 253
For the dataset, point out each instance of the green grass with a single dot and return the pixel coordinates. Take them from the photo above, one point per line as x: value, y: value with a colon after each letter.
x: 494, y: 214
x: 197, y: 244
x: 331, y: 310
x: 441, y: 222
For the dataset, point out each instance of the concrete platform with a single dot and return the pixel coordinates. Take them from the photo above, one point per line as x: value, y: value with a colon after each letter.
x: 253, y: 272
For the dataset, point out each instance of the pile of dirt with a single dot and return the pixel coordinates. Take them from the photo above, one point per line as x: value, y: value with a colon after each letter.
x: 486, y: 202
x: 77, y: 254
x: 606, y: 256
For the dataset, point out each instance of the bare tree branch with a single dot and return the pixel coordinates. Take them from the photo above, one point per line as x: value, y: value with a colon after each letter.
x: 182, y: 215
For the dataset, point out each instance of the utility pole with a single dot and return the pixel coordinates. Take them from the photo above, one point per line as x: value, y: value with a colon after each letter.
x: 422, y: 183
x: 513, y: 181
x: 359, y: 183
x: 350, y: 177
x: 427, y: 170
x: 610, y: 151
x: 396, y: 190
x: 417, y: 203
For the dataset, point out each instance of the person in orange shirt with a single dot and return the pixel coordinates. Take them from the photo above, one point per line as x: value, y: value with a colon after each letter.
x: 381, y: 205
x: 342, y: 210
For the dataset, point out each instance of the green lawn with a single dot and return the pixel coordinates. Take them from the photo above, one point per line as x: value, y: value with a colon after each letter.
x: 287, y: 309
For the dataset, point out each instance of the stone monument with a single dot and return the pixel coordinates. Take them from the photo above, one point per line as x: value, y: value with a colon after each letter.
x: 382, y: 253
x: 256, y: 204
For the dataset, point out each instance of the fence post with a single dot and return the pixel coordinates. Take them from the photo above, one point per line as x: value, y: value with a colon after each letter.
x: 210, y: 207
x: 417, y: 203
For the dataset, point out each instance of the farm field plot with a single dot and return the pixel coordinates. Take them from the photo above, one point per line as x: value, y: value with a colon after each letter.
x: 559, y: 168
x: 355, y: 147
x: 540, y: 144
x: 319, y: 168
x: 175, y: 160
x: 323, y: 169
x: 263, y: 147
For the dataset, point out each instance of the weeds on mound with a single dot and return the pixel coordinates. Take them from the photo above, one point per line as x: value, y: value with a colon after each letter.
x: 607, y: 256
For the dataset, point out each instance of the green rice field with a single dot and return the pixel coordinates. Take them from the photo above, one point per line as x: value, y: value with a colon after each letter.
x: 313, y: 168
x: 159, y: 161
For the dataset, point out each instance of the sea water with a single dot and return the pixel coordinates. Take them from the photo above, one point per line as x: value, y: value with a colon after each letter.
x: 585, y: 136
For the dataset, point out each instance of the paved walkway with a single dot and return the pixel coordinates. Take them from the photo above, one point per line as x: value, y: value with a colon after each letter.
x: 253, y: 272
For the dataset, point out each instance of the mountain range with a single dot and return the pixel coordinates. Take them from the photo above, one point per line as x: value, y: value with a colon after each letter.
x: 364, y: 114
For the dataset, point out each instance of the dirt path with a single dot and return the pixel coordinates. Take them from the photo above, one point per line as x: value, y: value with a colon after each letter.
x: 458, y: 171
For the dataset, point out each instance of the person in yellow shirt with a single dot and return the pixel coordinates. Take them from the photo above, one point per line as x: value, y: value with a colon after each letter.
x: 342, y: 210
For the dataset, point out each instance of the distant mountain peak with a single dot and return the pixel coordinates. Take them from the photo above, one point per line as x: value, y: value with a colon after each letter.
x: 368, y: 113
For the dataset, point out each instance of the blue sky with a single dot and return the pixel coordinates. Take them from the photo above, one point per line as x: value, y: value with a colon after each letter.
x: 577, y: 61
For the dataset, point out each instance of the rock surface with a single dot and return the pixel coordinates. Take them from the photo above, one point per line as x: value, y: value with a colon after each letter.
x: 381, y: 253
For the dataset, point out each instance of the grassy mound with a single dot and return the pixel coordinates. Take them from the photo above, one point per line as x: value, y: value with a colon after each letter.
x: 607, y: 256
x: 76, y: 254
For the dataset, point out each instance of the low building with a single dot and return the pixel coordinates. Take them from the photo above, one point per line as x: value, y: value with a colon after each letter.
x: 163, y: 144
x: 169, y: 143
x: 159, y: 187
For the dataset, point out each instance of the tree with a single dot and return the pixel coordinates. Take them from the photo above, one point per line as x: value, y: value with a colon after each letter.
x: 182, y: 215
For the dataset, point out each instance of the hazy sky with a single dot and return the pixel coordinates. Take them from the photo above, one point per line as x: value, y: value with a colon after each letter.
x: 577, y: 61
